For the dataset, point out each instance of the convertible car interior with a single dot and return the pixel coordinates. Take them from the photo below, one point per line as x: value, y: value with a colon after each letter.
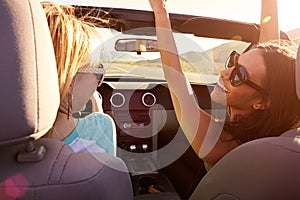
x: 150, y: 140
x: 151, y: 144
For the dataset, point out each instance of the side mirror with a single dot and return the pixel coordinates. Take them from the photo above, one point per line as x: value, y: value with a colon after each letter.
x: 136, y: 45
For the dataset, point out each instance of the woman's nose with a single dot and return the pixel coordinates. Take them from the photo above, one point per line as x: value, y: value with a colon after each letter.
x: 226, y: 73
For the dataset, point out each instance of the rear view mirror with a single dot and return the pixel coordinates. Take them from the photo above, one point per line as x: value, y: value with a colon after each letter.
x: 136, y: 45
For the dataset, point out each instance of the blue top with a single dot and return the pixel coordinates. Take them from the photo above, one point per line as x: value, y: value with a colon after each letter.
x: 94, y: 133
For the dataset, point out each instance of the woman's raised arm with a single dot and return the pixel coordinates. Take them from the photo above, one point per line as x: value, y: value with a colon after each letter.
x: 269, y: 29
x: 195, y: 123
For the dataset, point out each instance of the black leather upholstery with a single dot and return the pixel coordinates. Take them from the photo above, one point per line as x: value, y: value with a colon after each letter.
x: 43, y: 168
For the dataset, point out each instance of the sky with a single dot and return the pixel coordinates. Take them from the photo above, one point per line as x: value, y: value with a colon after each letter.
x: 243, y: 10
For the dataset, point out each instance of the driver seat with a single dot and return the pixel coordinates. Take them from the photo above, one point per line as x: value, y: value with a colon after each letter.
x: 266, y: 168
x: 30, y: 167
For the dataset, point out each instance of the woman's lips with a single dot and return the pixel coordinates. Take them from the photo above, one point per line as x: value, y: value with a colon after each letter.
x: 221, y: 87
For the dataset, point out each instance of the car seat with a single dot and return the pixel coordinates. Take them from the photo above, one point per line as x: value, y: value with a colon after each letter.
x: 32, y: 167
x: 266, y: 168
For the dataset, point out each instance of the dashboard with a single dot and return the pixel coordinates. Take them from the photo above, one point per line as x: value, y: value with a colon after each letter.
x: 145, y: 119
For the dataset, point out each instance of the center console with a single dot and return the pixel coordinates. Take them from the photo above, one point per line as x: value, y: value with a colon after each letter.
x: 137, y: 140
x: 138, y: 147
x: 140, y: 113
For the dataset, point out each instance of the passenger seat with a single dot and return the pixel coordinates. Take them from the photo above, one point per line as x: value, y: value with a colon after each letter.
x: 30, y: 167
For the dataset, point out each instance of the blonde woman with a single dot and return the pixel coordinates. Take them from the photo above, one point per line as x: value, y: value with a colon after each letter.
x: 76, y: 45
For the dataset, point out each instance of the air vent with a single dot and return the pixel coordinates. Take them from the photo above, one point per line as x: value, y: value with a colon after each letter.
x: 148, y: 99
x: 117, y: 100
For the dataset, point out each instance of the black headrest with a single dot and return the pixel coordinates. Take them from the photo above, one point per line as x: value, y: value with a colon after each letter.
x: 28, y: 78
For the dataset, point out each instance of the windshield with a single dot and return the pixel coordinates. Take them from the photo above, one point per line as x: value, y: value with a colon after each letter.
x: 201, y: 58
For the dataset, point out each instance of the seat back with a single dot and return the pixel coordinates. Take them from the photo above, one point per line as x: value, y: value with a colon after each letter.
x: 31, y: 167
x: 261, y: 169
x: 266, y: 168
x: 28, y: 81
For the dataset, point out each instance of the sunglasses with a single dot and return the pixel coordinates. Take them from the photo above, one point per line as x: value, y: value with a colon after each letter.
x: 239, y: 74
x: 98, y: 71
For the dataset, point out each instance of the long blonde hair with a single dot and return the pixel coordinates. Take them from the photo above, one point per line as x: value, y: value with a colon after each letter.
x: 74, y: 41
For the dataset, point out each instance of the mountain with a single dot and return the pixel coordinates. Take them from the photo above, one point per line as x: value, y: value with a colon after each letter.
x: 295, y: 35
x: 220, y: 53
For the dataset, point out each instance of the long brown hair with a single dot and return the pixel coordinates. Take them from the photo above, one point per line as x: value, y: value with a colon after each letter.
x: 283, y: 106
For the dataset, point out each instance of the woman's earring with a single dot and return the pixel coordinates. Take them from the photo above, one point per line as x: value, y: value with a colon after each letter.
x: 69, y: 104
x: 70, y: 101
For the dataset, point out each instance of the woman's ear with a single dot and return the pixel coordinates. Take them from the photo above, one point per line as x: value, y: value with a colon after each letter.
x: 258, y: 106
x: 261, y: 104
